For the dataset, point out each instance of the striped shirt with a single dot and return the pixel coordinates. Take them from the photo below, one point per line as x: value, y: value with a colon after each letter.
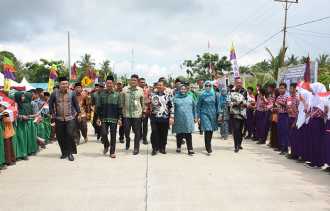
x: 292, y: 105
x: 281, y: 103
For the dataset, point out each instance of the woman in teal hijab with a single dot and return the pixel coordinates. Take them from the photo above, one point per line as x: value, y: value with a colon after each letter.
x: 184, y: 118
x: 207, y: 112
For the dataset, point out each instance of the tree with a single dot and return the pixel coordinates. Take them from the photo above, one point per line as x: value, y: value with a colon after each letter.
x: 85, y: 64
x: 292, y: 60
x: 277, y: 61
x: 106, y: 70
x: 323, y: 60
x: 200, y: 67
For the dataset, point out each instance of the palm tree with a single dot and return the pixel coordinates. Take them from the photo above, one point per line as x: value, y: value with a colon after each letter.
x: 85, y: 64
x: 277, y: 61
x: 292, y: 60
x: 323, y: 59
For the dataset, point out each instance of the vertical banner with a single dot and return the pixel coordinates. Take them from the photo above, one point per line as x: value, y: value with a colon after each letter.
x: 233, y: 61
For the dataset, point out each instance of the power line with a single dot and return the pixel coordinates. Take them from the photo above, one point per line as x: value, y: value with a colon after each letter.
x: 260, y: 44
x: 312, y: 35
x: 312, y: 32
x: 309, y: 22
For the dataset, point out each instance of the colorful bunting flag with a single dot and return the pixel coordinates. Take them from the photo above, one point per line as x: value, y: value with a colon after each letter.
x: 8, y: 68
x: 52, y: 78
x: 86, y: 81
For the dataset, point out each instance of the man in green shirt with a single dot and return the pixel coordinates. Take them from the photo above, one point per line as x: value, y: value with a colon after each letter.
x: 109, y: 115
x: 132, y: 100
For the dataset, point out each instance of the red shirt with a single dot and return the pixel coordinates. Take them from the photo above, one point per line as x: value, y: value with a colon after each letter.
x: 316, y: 113
x: 281, y: 104
x: 292, y: 105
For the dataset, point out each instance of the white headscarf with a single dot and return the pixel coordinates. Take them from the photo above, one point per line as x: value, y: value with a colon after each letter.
x: 316, y: 100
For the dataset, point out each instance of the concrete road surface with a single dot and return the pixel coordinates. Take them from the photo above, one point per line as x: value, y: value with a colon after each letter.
x: 256, y: 178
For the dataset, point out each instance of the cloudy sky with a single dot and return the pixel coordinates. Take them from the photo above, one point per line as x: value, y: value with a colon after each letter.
x: 162, y: 32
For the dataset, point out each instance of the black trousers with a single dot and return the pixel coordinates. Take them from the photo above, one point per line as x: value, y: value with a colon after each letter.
x: 121, y: 131
x: 97, y: 128
x: 144, y: 129
x: 135, y: 124
x: 104, y: 136
x: 159, y: 131
x: 188, y: 137
x: 65, y: 136
x: 207, y: 139
x: 237, y: 127
x: 81, y: 127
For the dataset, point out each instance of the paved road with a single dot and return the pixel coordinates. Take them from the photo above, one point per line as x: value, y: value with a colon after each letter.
x: 254, y: 179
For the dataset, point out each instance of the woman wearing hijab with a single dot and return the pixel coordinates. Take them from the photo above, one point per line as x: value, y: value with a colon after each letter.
x: 316, y: 124
x: 31, y: 126
x: 184, y: 117
x: 207, y: 112
x: 326, y: 136
x: 21, y: 127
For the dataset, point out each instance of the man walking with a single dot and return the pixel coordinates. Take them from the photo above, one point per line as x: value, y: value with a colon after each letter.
x: 132, y: 99
x: 64, y: 107
x: 109, y: 114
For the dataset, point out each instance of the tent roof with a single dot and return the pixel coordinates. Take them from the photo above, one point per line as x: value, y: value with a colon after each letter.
x: 27, y: 85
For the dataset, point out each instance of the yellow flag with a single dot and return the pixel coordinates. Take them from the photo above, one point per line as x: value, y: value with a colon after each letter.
x: 51, y: 84
x: 86, y: 81
x: 6, y: 85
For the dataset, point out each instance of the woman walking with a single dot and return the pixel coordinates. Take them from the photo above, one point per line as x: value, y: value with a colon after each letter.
x: 184, y: 118
x: 207, y: 112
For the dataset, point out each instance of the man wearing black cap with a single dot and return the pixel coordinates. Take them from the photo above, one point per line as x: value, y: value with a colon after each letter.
x: 64, y: 107
x: 81, y: 121
x: 109, y: 114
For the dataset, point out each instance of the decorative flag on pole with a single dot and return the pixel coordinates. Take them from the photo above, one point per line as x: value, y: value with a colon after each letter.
x: 8, y: 72
x: 74, y: 72
x: 307, y: 74
x: 233, y: 61
x: 52, y: 78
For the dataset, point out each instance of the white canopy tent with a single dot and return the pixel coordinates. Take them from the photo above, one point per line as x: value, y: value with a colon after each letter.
x: 27, y: 85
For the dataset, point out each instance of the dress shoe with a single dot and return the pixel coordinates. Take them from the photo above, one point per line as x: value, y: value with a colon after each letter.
x: 145, y: 142
x: 163, y: 151
x: 240, y: 147
x: 135, y: 152
x: 121, y: 141
x: 236, y: 150
x: 63, y: 156
x: 127, y: 147
x: 70, y: 157
x: 190, y: 152
x: 154, y: 152
x: 178, y: 150
x: 113, y: 156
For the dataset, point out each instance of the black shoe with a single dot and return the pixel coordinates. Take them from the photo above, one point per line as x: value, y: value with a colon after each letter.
x: 135, y: 152
x: 25, y: 158
x: 145, y: 142
x: 63, y: 156
x: 261, y: 142
x: 121, y: 141
x: 240, y: 147
x: 127, y: 146
x: 247, y: 137
x: 70, y: 157
x: 236, y: 150
x: 178, y: 150
x: 154, y: 152
x: 191, y: 152
x: 163, y: 151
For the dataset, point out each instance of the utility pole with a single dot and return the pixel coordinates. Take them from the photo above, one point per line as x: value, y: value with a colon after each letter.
x: 69, y: 56
x: 286, y: 8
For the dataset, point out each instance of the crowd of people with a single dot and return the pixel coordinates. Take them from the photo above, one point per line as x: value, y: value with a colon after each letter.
x: 296, y: 122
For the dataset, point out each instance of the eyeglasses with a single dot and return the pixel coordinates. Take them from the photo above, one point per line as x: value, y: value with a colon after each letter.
x: 207, y: 85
